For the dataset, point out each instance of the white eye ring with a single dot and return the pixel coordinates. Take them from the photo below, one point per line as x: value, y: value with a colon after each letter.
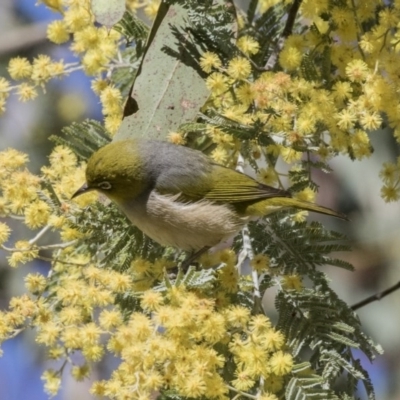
x: 105, y: 185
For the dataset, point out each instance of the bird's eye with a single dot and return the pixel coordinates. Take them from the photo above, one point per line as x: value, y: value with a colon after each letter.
x: 105, y: 185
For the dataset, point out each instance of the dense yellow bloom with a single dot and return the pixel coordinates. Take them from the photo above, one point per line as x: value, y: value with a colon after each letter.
x: 239, y: 68
x: 292, y: 282
x: 52, y: 381
x: 19, y: 68
x: 57, y: 32
x: 290, y: 58
x: 209, y: 61
x: 35, y: 283
x: 248, y: 45
x: 357, y: 70
x: 281, y: 363
x: 260, y: 262
x: 37, y: 214
x: 217, y: 83
x: 390, y: 193
x: 4, y: 233
x: 26, y: 92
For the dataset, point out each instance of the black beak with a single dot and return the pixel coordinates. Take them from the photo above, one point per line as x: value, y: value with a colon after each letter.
x: 83, y: 189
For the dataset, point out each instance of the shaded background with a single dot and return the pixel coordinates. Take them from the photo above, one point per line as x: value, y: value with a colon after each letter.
x: 353, y: 188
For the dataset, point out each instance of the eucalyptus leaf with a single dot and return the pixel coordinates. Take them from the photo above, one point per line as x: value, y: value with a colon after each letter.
x: 168, y: 90
x: 108, y: 12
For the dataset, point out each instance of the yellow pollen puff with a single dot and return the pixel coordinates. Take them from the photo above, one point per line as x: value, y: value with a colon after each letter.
x: 176, y: 138
x: 260, y: 262
x: 292, y: 282
x: 19, y: 68
x: 239, y: 68
x: 52, y: 382
x: 57, y: 32
x: 248, y: 45
x: 35, y: 283
x: 151, y: 300
x: 209, y: 61
x: 4, y: 233
x: 281, y: 363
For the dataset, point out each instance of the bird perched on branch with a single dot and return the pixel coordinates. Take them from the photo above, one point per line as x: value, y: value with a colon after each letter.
x: 178, y: 196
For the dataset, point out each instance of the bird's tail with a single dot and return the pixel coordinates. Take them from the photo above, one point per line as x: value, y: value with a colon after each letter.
x: 268, y: 206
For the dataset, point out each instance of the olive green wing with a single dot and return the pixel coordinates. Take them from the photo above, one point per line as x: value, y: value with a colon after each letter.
x: 220, y: 184
x: 230, y: 186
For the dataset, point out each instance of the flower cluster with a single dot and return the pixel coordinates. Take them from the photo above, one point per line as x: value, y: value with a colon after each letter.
x: 390, y: 174
x: 286, y: 106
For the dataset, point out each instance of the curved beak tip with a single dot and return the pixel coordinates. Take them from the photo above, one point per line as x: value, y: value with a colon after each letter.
x: 83, y: 189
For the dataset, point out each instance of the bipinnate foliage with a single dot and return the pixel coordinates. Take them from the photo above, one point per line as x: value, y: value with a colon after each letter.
x: 203, y: 333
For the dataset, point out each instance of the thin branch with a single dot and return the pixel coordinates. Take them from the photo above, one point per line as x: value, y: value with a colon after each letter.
x: 250, y: 396
x: 376, y: 297
x: 287, y: 31
x: 40, y: 234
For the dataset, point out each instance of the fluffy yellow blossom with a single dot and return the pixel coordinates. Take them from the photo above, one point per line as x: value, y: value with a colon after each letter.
x: 176, y: 138
x: 342, y: 90
x: 260, y: 262
x: 27, y: 252
x: 289, y: 155
x: 151, y: 300
x: 245, y: 94
x: 237, y: 316
x: 346, y: 119
x: 26, y: 92
x: 281, y: 363
x: 4, y: 88
x: 4, y: 233
x: 217, y: 83
x: 357, y: 70
x: 48, y: 333
x: 19, y: 68
x: 273, y: 383
x: 371, y: 121
x: 248, y: 45
x: 243, y: 380
x: 292, y: 282
x: 12, y: 159
x: 220, y: 155
x: 273, y: 340
x: 209, y: 61
x: 35, y: 283
x: 111, y: 100
x: 52, y: 382
x: 151, y: 8
x: 77, y: 18
x: 390, y: 193
x: 389, y: 172
x: 109, y: 319
x: 267, y: 176
x: 57, y: 32
x: 290, y: 58
x: 239, y: 68
x: 98, y: 85
x: 80, y: 372
x: 37, y: 214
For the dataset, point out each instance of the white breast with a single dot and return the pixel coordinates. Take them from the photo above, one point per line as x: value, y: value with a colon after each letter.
x: 187, y: 226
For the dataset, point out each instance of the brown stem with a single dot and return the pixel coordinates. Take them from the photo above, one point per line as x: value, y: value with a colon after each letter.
x: 376, y: 296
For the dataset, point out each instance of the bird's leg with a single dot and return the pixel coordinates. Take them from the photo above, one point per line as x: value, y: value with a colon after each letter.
x: 186, y: 263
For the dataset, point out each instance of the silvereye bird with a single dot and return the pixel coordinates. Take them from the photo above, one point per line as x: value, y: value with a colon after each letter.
x: 178, y: 196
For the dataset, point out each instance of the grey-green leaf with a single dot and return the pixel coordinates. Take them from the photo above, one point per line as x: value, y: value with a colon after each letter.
x: 108, y: 12
x: 168, y: 90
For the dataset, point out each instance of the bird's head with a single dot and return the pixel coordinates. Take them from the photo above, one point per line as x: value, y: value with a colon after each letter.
x: 117, y: 171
